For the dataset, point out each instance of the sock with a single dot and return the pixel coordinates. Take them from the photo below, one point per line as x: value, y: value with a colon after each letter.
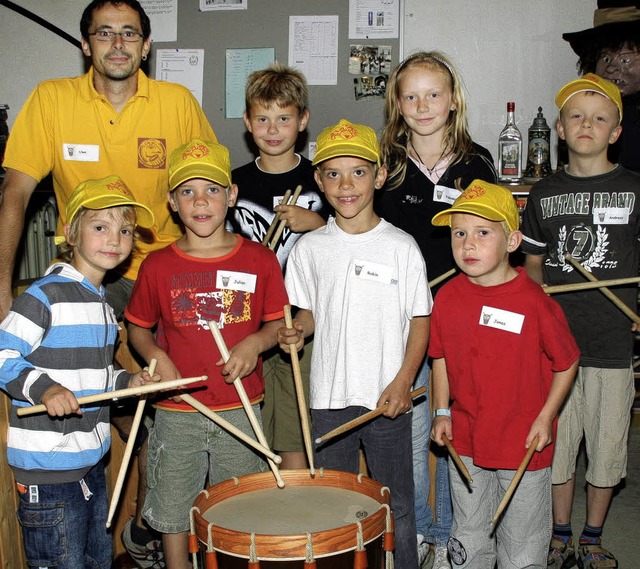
x: 562, y: 532
x: 139, y: 535
x: 591, y: 534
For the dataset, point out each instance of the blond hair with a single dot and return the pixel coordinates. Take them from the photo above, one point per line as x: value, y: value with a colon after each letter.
x: 396, y: 134
x: 277, y: 84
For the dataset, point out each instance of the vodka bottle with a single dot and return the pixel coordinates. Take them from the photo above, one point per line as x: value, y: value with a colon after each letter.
x: 510, y: 149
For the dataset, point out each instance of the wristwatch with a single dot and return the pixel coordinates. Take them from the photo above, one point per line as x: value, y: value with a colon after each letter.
x: 442, y: 412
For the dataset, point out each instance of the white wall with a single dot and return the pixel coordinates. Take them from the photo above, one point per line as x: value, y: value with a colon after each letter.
x: 505, y: 50
x: 29, y: 53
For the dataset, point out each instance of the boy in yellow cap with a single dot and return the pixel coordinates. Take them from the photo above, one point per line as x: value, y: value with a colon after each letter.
x: 57, y: 344
x: 587, y: 214
x: 209, y: 274
x: 361, y: 286
x: 503, y: 362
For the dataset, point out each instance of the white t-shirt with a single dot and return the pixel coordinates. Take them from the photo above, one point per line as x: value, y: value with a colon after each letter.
x: 363, y: 291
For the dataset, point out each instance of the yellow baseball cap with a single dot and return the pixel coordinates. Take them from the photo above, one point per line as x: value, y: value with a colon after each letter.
x: 486, y: 200
x: 102, y: 194
x: 590, y: 82
x: 347, y: 139
x: 199, y: 159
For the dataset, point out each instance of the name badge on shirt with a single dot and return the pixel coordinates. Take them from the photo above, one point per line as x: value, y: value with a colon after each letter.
x: 444, y: 194
x: 236, y: 281
x: 81, y: 152
x: 610, y: 215
x: 501, y: 319
x: 370, y: 271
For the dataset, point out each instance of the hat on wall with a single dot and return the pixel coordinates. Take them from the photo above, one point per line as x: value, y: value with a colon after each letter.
x: 485, y: 200
x: 612, y: 19
x: 590, y: 82
x: 199, y: 159
x: 347, y: 139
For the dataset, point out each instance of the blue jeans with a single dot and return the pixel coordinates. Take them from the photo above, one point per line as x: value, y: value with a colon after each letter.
x: 64, y: 530
x: 387, y: 447
x: 435, y: 528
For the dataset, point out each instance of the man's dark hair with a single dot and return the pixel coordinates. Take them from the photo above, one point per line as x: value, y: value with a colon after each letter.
x: 87, y: 15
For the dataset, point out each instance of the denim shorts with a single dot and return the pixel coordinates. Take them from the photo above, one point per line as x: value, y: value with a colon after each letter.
x: 61, y: 528
x: 183, y: 448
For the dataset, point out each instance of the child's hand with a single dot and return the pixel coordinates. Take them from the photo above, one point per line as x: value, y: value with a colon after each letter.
x: 59, y: 402
x: 143, y: 377
x: 299, y: 219
x: 243, y: 359
x: 398, y: 398
x: 543, y: 428
x: 167, y: 370
x: 291, y: 336
x: 441, y: 426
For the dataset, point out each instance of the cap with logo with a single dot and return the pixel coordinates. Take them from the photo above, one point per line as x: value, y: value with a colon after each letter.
x: 485, y: 200
x: 594, y: 83
x: 199, y: 159
x: 104, y: 193
x: 347, y: 139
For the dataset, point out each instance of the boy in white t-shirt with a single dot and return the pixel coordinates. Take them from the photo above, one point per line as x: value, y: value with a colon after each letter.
x: 361, y: 286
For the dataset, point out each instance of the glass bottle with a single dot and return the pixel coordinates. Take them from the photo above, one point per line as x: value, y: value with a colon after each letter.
x: 510, y: 149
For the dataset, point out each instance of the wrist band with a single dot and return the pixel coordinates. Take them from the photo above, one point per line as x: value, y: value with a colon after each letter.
x: 442, y: 412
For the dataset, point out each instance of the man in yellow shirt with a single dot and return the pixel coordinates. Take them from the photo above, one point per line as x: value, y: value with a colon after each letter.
x: 112, y: 120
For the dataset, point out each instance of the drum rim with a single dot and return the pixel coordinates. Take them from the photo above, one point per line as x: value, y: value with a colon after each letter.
x: 292, y: 547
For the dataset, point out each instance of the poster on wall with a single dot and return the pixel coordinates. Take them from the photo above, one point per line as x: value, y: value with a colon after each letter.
x: 239, y: 64
x: 211, y: 5
x: 164, y: 19
x: 183, y: 66
x: 313, y: 48
x: 374, y: 19
x: 371, y: 64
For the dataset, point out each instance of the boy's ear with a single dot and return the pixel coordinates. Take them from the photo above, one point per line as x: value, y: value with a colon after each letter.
x: 304, y: 120
x: 67, y: 233
x: 232, y: 195
x: 513, y: 241
x: 381, y: 177
x: 615, y: 134
x: 560, y: 129
x: 247, y: 122
x: 172, y: 202
x: 318, y: 179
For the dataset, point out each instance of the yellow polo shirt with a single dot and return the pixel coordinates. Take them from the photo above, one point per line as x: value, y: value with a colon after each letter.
x: 66, y: 127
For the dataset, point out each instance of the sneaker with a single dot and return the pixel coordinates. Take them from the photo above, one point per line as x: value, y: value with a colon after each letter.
x: 594, y: 556
x: 424, y: 555
x: 147, y: 556
x: 441, y: 558
x: 562, y: 554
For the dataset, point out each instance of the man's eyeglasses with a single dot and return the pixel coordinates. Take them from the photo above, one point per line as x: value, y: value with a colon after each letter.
x: 128, y: 36
x: 623, y: 59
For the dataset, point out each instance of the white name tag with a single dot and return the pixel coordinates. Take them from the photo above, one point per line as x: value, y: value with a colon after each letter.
x: 373, y: 271
x: 501, y: 319
x: 81, y: 152
x: 444, y: 194
x: 236, y: 281
x: 610, y: 215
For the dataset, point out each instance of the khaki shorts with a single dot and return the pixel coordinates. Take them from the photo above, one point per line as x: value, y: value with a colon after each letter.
x: 280, y: 414
x: 598, y: 407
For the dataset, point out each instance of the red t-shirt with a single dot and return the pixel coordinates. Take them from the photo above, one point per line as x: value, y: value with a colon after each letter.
x: 181, y: 294
x: 501, y: 346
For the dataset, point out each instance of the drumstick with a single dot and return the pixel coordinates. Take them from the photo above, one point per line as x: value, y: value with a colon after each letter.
x: 276, y: 218
x: 516, y: 479
x: 442, y: 277
x: 302, y: 406
x: 456, y: 458
x: 218, y: 420
x: 237, y: 383
x: 604, y: 290
x: 589, y: 285
x: 120, y: 393
x: 128, y: 451
x: 363, y: 418
x: 276, y: 237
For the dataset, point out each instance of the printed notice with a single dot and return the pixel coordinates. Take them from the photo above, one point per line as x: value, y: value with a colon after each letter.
x: 313, y: 48
x: 164, y: 19
x: 239, y: 64
x: 371, y: 19
x: 183, y: 66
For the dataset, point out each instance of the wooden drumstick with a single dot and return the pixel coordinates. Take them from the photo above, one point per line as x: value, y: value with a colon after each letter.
x: 442, y: 277
x: 218, y: 420
x: 275, y: 220
x: 119, y: 394
x: 516, y: 480
x: 604, y: 290
x: 589, y: 285
x: 283, y: 223
x: 237, y: 383
x: 456, y: 458
x: 363, y: 418
x: 128, y: 451
x: 302, y: 404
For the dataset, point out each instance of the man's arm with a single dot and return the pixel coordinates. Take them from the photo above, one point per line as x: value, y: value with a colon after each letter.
x: 14, y: 198
x: 533, y: 266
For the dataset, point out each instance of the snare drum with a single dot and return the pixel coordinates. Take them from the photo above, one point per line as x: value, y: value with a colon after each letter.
x: 329, y: 514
